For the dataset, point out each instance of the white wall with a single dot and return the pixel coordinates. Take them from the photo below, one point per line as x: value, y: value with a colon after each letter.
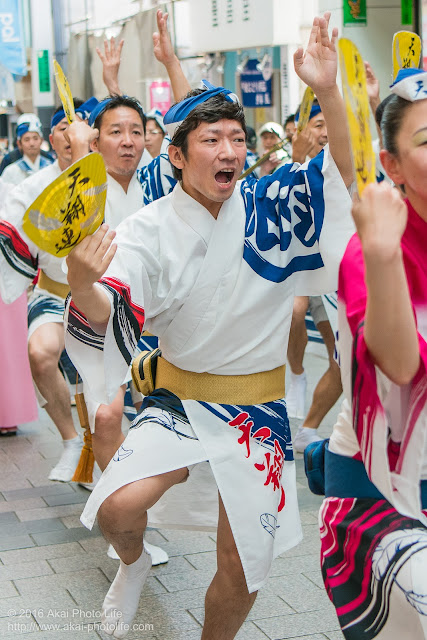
x: 374, y: 41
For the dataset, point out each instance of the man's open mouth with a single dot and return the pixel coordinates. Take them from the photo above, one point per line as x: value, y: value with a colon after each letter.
x: 225, y: 176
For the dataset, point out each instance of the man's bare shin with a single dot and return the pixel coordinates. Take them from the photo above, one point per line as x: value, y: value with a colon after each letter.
x: 228, y: 600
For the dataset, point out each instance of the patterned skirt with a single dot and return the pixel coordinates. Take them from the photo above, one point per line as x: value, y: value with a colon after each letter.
x: 374, y: 566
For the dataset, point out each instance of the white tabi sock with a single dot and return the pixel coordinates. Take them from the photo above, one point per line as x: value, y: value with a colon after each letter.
x: 158, y: 555
x: 121, y: 602
x: 64, y: 469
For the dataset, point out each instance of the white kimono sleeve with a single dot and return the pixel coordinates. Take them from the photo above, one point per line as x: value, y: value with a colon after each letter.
x: 103, y: 360
x: 298, y: 224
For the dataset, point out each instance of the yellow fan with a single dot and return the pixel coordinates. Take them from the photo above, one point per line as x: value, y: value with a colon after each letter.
x: 357, y: 107
x: 406, y: 51
x: 70, y: 208
x: 64, y: 92
x: 305, y: 108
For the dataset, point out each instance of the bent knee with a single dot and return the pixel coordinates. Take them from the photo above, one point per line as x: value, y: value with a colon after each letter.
x: 108, y: 421
x: 118, y: 511
x: 43, y: 358
x: 299, y: 309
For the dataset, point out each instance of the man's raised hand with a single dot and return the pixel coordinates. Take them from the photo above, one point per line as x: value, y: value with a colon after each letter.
x: 317, y: 66
x: 110, y: 64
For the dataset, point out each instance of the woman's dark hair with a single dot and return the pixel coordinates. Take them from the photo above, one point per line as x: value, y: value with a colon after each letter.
x: 380, y: 109
x: 214, y: 109
x: 121, y: 101
x: 391, y: 122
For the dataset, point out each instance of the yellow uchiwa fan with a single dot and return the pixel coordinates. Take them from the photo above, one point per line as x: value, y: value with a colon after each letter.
x: 356, y: 101
x: 305, y: 108
x: 64, y: 92
x: 70, y: 208
x: 406, y: 51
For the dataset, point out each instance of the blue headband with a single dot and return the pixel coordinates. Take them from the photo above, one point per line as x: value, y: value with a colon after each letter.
x: 177, y: 114
x: 410, y: 84
x: 83, y: 111
x: 315, y: 110
x: 100, y: 108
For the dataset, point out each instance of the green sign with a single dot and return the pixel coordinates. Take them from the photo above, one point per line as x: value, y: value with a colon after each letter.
x: 354, y: 12
x: 44, y: 71
x: 406, y: 8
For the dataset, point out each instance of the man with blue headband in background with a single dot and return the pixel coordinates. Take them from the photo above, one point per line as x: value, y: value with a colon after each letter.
x: 20, y: 262
x: 29, y: 139
x: 212, y: 269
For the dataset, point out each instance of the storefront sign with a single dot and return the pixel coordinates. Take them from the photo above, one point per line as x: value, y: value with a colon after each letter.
x: 160, y: 96
x: 255, y: 88
x: 44, y: 71
x: 406, y: 7
x: 12, y: 45
x: 354, y: 12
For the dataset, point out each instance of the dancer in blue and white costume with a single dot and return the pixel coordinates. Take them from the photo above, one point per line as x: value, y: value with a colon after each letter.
x: 211, y: 269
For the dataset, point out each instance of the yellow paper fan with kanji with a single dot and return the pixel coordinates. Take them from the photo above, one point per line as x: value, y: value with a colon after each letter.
x: 70, y: 208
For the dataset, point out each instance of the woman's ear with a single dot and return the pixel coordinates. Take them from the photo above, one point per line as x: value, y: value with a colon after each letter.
x: 391, y: 165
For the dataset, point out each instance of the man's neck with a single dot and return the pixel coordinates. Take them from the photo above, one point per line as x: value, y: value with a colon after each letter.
x: 31, y: 159
x: 124, y: 181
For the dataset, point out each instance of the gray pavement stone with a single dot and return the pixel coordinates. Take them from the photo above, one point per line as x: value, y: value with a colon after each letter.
x: 49, y: 512
x: 335, y: 635
x: 8, y: 518
x: 298, y: 624
x: 188, y: 580
x: 71, y: 522
x: 53, y: 488
x: 69, y: 498
x: 10, y: 481
x: 65, y: 535
x: 21, y: 505
x: 15, y: 542
x: 32, y: 526
x: 41, y: 553
x: 7, y: 589
x: 25, y: 570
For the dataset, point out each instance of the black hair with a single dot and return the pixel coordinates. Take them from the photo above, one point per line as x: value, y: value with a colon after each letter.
x: 391, y: 122
x: 77, y: 103
x: 251, y: 138
x: 380, y: 109
x: 121, y: 101
x: 289, y: 119
x: 214, y: 109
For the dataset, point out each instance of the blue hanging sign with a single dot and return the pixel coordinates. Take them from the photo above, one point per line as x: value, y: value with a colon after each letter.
x: 256, y: 86
x: 12, y: 45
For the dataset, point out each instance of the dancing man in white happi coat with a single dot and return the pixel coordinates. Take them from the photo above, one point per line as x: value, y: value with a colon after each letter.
x: 211, y: 269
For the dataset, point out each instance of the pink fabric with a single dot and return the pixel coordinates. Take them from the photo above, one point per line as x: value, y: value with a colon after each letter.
x: 387, y: 443
x: 17, y: 397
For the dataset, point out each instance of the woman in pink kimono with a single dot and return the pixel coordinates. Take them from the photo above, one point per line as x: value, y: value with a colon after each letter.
x: 17, y: 397
x: 373, y: 520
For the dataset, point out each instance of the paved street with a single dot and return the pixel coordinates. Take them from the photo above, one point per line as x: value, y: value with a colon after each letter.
x: 54, y: 573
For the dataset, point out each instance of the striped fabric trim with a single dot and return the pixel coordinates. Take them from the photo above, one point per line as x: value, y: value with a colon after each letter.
x: 16, y: 251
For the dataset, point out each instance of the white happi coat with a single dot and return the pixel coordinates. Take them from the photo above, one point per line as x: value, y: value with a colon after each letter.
x: 18, y: 272
x: 219, y: 294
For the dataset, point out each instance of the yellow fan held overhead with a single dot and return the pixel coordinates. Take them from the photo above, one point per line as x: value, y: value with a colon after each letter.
x: 70, y: 208
x: 406, y: 51
x: 357, y: 107
x: 305, y: 108
x: 64, y: 92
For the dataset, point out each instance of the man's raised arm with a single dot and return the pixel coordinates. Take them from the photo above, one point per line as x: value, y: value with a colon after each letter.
x: 317, y: 67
